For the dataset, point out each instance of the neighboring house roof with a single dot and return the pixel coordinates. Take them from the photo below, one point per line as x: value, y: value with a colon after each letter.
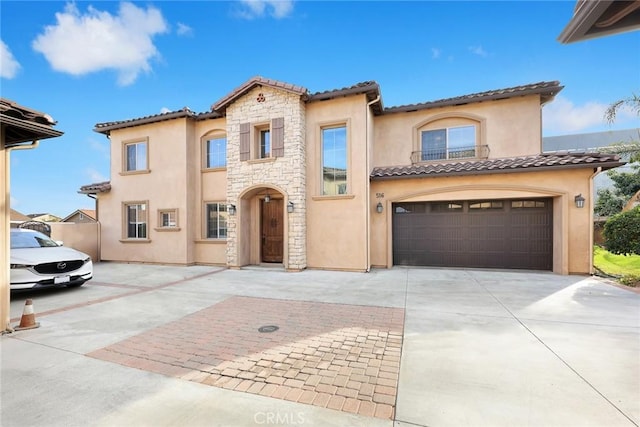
x: 596, y: 18
x: 46, y: 217
x: 594, y: 141
x: 23, y: 124
x: 100, y: 187
x: 17, y: 216
x: 86, y: 212
x: 547, y: 90
x: 544, y: 161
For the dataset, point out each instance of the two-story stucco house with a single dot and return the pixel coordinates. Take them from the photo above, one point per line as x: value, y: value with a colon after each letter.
x: 334, y: 180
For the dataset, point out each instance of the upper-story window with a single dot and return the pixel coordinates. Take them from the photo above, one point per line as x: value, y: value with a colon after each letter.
x: 448, y: 143
x: 264, y: 143
x: 334, y: 160
x: 262, y: 140
x: 216, y: 152
x: 135, y: 156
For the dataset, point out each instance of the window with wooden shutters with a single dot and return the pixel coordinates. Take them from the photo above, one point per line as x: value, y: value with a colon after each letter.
x: 277, y: 137
x: 245, y: 141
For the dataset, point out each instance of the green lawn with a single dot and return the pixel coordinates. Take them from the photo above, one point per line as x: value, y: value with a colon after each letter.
x: 616, y: 265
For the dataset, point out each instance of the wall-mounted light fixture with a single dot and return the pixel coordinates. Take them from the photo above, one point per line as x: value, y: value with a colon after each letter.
x: 290, y: 207
x: 231, y: 209
x: 379, y: 207
x: 579, y: 201
x: 267, y: 198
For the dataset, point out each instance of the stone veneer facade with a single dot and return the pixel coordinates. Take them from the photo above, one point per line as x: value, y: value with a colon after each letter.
x: 286, y: 174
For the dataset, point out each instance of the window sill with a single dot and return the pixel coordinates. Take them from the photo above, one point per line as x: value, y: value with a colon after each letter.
x: 167, y: 229
x: 218, y: 169
x: 265, y: 160
x: 334, y: 197
x: 140, y: 172
x: 135, y: 240
x: 212, y: 241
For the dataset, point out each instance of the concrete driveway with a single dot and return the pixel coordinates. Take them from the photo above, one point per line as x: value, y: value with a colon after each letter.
x: 145, y: 345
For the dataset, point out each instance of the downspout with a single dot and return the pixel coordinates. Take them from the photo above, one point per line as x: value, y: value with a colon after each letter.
x: 5, y: 298
x: 591, y: 206
x: 99, y: 240
x: 368, y: 192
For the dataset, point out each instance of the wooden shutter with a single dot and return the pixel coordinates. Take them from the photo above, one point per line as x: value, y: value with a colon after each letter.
x: 245, y: 141
x: 277, y: 137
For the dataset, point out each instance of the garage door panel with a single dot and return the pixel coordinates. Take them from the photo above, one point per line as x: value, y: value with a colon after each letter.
x: 485, y: 234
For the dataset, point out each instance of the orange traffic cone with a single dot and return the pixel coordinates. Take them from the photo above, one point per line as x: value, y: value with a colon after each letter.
x: 28, y: 320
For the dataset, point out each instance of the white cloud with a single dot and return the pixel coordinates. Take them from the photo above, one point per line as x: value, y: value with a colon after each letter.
x: 164, y: 110
x: 13, y: 202
x: 8, y: 65
x: 94, y: 175
x: 184, y: 30
x: 250, y: 9
x: 478, y: 50
x: 563, y: 116
x: 435, y: 53
x: 84, y: 43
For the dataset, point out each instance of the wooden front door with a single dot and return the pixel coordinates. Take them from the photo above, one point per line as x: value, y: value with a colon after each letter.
x: 272, y: 231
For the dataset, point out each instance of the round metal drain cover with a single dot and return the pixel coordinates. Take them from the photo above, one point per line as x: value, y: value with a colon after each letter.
x: 268, y: 328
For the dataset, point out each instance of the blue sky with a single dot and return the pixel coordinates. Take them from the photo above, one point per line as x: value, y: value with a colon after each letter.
x: 92, y: 62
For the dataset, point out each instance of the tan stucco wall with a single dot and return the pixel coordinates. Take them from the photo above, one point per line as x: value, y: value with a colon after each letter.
x: 337, y: 229
x: 571, y: 226
x: 82, y: 236
x: 163, y: 187
x: 510, y: 127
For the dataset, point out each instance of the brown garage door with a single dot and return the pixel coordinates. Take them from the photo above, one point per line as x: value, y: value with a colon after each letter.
x: 485, y: 234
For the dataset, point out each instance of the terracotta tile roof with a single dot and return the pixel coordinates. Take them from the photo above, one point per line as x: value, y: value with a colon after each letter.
x: 23, y: 124
x: 544, y: 161
x: 546, y: 89
x: 224, y: 102
x: 107, y: 126
x: 370, y: 88
x: 100, y: 187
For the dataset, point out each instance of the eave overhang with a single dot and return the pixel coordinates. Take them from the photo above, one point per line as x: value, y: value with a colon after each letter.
x: 24, y: 125
x: 593, y: 18
x: 100, y: 187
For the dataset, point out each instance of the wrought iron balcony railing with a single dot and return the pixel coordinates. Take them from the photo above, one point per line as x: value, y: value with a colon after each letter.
x: 472, y: 152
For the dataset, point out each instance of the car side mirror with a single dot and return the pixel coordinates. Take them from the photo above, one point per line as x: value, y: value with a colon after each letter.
x: 59, y: 242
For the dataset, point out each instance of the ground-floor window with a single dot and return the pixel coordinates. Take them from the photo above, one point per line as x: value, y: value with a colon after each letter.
x: 216, y: 220
x: 136, y: 220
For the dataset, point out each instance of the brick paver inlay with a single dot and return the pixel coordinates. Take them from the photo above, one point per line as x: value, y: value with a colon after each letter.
x: 337, y: 356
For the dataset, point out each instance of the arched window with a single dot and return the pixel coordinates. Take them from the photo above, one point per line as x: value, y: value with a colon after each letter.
x: 215, y: 150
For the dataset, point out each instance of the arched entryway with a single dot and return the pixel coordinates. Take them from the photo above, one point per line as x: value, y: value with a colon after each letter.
x: 261, y: 226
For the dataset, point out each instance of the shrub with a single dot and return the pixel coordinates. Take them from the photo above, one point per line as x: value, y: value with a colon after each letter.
x: 631, y: 280
x: 622, y: 232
